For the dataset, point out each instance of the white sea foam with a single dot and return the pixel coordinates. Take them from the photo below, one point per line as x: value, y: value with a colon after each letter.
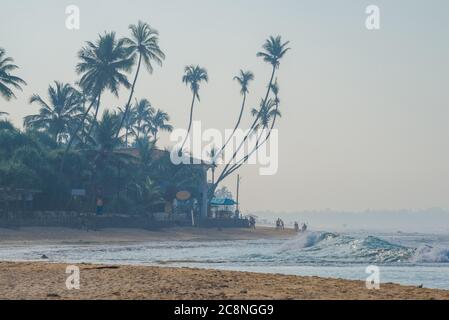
x: 431, y: 254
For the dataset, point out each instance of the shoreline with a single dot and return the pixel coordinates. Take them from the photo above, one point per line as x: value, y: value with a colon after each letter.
x: 56, y: 235
x: 37, y: 280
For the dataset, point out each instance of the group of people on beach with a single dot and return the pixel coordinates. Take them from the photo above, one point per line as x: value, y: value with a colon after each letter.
x: 279, y: 224
x: 303, y: 227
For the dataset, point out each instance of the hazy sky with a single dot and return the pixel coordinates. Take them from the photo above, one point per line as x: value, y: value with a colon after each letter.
x: 365, y: 113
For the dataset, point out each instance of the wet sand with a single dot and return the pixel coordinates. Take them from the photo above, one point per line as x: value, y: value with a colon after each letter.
x: 47, y: 281
x: 74, y: 236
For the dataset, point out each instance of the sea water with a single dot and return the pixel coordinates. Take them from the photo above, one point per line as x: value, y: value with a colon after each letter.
x: 410, y: 259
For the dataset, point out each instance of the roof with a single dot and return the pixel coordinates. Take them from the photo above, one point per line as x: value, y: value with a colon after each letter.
x: 222, y: 202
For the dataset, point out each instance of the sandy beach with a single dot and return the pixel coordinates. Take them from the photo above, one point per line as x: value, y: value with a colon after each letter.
x: 42, y: 280
x: 47, y: 281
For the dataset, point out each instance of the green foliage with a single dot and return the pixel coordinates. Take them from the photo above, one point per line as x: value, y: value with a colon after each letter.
x: 131, y: 181
x: 8, y: 81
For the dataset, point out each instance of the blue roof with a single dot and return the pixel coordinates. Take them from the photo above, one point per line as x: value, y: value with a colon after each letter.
x: 222, y: 202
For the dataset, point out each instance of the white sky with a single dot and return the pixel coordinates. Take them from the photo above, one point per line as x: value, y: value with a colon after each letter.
x: 365, y: 113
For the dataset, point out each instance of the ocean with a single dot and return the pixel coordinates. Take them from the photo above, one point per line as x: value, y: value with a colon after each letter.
x: 404, y: 258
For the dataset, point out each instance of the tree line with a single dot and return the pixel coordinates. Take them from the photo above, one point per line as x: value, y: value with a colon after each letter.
x: 72, y: 143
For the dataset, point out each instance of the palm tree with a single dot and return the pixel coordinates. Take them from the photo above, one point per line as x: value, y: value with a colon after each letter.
x: 64, y: 107
x: 243, y: 79
x: 103, y: 136
x: 144, y: 42
x: 213, y: 156
x: 159, y: 122
x: 150, y: 194
x: 101, y: 67
x: 193, y: 76
x: 273, y: 51
x: 142, y: 113
x: 265, y: 114
x: 145, y: 147
x: 128, y: 123
x: 6, y: 78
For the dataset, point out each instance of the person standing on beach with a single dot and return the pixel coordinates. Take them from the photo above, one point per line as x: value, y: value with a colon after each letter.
x: 99, y: 206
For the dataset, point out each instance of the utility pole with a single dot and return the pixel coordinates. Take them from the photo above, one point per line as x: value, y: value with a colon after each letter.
x: 238, y: 190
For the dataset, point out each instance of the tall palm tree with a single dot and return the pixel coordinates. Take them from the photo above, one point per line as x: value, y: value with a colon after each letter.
x: 266, y: 115
x: 102, y: 67
x: 243, y: 79
x: 142, y: 113
x: 193, y: 76
x: 273, y: 51
x: 159, y: 122
x: 64, y: 107
x: 144, y: 42
x: 8, y: 80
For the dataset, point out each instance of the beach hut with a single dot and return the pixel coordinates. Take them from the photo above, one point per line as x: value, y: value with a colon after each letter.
x: 223, y: 208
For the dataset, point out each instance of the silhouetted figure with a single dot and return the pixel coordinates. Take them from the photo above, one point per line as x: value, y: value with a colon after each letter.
x: 99, y: 210
x: 252, y: 223
x: 304, y: 227
x: 296, y: 227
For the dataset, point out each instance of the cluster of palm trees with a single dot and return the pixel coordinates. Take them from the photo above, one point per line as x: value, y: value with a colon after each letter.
x: 63, y: 110
x: 70, y: 115
x: 74, y: 115
x: 265, y: 115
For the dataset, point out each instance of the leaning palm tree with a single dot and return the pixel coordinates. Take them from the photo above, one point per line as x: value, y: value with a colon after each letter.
x: 102, y: 67
x: 243, y: 79
x: 8, y: 80
x: 128, y: 124
x: 159, y: 122
x: 265, y: 114
x: 64, y: 106
x: 144, y: 42
x: 142, y: 113
x: 193, y: 76
x: 273, y: 51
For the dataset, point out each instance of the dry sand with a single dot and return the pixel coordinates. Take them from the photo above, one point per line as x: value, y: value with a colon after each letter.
x: 47, y: 281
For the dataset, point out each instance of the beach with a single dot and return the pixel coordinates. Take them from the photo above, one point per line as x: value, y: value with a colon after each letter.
x: 45, y: 279
x: 37, y: 280
x: 36, y: 235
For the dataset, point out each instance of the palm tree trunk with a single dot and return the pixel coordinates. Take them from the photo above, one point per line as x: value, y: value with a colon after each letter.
x: 224, y: 174
x: 236, y: 126
x: 258, y: 144
x: 72, y: 137
x: 190, y: 121
x: 130, y: 97
x: 126, y: 137
x: 94, y: 123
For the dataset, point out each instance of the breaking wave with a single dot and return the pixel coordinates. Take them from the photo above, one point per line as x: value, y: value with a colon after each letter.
x: 339, y: 248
